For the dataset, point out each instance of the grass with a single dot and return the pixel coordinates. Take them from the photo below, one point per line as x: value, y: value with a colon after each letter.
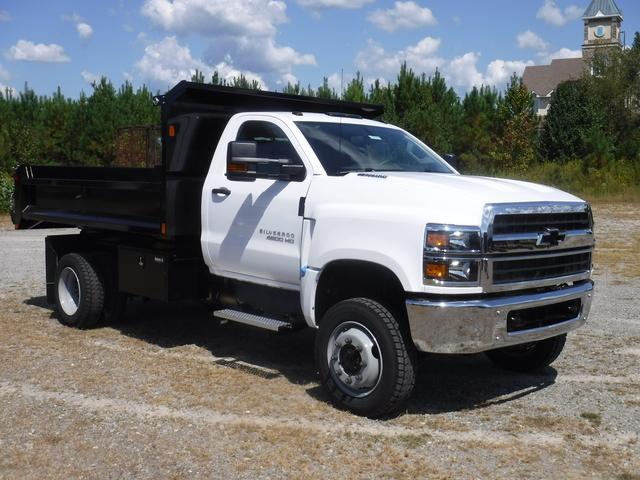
x: 619, y: 180
x: 628, y: 476
x: 594, y: 418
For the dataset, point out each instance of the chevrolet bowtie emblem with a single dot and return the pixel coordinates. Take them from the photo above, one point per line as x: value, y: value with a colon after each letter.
x: 551, y: 237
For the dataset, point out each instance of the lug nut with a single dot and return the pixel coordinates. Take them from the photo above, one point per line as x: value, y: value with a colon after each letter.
x: 334, y: 358
x: 338, y: 345
x: 347, y: 341
x: 359, y: 378
x: 359, y: 348
x: 347, y: 380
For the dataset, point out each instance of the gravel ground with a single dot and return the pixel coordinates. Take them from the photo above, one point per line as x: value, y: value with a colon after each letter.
x: 171, y: 394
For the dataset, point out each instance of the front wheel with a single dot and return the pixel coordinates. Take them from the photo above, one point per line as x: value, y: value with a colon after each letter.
x: 365, y: 363
x: 528, y: 357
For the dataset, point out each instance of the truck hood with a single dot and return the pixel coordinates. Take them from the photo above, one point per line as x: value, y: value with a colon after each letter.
x: 425, y: 197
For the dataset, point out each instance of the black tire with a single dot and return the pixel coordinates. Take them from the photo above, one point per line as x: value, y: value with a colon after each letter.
x: 395, y: 371
x: 82, y: 271
x: 529, y: 357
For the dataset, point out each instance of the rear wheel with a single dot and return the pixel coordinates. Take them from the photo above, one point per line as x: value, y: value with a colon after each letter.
x: 364, y: 362
x: 528, y: 357
x: 79, y: 291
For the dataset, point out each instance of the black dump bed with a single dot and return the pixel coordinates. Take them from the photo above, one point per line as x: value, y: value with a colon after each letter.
x: 162, y: 201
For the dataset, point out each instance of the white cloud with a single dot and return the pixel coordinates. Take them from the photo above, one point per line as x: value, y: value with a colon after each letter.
x: 403, y: 15
x: 530, y: 40
x: 167, y: 62
x: 337, y: 81
x: 84, y: 30
x: 261, y: 56
x: 216, y: 17
x: 89, y: 77
x: 37, y: 52
x: 461, y: 72
x: 288, y: 78
x: 323, y: 4
x: 552, y: 14
x: 500, y: 71
x: 422, y: 56
x: 4, y: 16
x: 241, y: 33
x: 546, y: 57
x: 573, y: 12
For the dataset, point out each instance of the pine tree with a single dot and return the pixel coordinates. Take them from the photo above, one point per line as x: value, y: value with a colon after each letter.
x: 518, y: 126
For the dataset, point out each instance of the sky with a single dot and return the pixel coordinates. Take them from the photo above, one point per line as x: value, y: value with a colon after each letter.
x: 71, y: 43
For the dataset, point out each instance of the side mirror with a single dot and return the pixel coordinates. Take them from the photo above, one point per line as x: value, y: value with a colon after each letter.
x: 451, y: 159
x: 243, y: 163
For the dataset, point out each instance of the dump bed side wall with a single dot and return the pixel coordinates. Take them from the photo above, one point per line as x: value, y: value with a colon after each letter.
x: 123, y: 199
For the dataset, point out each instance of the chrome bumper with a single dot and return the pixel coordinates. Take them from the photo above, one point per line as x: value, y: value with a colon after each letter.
x: 470, y: 326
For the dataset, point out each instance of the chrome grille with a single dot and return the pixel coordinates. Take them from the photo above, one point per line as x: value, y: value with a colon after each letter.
x: 540, y: 267
x: 531, y: 245
x: 538, y: 222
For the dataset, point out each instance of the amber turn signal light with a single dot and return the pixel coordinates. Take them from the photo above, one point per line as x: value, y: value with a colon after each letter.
x: 438, y: 240
x: 436, y: 271
x: 233, y: 167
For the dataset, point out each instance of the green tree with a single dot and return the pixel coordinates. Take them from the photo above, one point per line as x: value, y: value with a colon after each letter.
x: 573, y: 117
x: 324, y: 91
x: 355, y: 90
x: 475, y: 142
x: 517, y: 127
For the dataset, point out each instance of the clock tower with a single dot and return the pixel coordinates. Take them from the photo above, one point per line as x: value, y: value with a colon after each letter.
x: 602, y: 23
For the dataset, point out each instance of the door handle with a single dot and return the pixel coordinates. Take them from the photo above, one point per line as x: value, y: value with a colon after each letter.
x: 221, y: 191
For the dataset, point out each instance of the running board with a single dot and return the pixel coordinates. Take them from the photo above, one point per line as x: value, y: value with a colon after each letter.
x: 254, y: 320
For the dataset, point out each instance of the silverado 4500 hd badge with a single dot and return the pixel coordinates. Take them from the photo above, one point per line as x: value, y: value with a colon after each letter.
x: 277, y: 236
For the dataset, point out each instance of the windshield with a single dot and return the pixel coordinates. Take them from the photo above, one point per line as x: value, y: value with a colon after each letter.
x: 347, y: 147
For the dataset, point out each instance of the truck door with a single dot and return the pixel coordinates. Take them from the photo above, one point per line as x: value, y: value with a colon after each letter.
x: 252, y: 229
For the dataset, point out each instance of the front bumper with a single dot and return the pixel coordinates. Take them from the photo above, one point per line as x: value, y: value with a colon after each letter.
x: 477, y: 325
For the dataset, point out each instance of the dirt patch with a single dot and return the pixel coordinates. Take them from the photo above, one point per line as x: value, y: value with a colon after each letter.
x: 617, y: 228
x: 170, y: 393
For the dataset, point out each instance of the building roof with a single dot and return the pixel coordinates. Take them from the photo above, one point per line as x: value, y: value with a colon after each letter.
x: 603, y: 8
x: 544, y: 79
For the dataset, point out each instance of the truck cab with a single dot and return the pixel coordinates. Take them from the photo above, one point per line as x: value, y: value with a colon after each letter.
x: 287, y: 212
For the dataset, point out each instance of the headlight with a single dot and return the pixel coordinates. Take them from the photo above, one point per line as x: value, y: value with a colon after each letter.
x: 452, y: 255
x: 440, y: 270
x: 452, y: 238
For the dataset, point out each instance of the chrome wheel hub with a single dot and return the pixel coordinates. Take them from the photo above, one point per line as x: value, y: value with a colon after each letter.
x: 354, y: 359
x: 69, y: 293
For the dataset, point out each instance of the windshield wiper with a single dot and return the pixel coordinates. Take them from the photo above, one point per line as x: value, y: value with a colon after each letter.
x: 355, y: 170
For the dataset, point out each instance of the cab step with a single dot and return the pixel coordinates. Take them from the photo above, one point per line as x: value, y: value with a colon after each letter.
x: 255, y: 320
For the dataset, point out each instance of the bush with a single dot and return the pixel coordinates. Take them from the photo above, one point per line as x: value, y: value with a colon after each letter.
x: 6, y: 193
x: 616, y: 178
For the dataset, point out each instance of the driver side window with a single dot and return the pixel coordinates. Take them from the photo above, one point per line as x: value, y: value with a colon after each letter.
x: 271, y: 141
